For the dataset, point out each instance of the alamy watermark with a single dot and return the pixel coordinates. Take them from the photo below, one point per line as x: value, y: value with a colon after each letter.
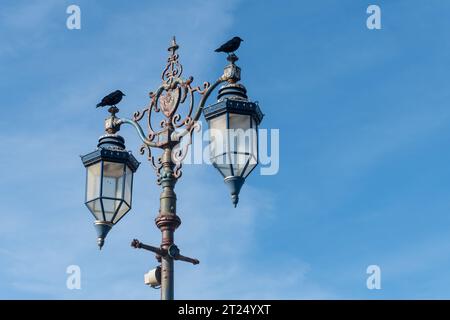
x: 73, y: 21
x: 374, y: 279
x: 373, y: 22
x: 242, y: 149
x: 74, y: 279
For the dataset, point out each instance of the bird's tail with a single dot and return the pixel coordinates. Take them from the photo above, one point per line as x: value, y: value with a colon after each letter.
x: 99, y: 105
x: 217, y: 50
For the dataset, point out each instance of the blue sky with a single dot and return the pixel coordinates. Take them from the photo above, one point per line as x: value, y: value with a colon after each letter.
x: 364, y: 128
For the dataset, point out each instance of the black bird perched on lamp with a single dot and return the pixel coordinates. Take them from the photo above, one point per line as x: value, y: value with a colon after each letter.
x: 111, y: 99
x: 230, y: 46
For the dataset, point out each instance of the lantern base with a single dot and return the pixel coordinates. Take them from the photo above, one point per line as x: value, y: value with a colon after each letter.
x: 102, y: 228
x: 234, y: 183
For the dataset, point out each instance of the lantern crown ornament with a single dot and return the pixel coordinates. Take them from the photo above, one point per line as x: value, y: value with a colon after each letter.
x: 109, y: 182
x: 233, y: 123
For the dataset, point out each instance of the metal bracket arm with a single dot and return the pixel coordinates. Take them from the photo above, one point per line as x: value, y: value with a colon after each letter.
x: 138, y: 245
x: 138, y: 128
x: 186, y: 259
x: 162, y: 252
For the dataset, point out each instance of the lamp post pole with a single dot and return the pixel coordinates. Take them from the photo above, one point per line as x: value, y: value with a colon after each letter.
x: 167, y: 221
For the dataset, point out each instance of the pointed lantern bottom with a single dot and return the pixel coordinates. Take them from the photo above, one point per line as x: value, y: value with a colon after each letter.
x: 102, y: 229
x: 234, y: 184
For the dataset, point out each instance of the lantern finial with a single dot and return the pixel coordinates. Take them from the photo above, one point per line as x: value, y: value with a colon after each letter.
x: 234, y: 183
x: 232, y: 73
x: 102, y: 228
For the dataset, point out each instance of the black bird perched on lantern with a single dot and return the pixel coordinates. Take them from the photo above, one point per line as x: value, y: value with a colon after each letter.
x: 111, y: 99
x: 230, y: 46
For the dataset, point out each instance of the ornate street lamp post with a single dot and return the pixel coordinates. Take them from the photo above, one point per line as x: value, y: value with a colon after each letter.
x: 110, y: 168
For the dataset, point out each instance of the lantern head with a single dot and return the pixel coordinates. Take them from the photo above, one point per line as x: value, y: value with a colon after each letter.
x: 109, y: 182
x: 233, y: 126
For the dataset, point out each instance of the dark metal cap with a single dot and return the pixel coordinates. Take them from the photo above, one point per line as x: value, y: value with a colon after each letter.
x: 232, y: 91
x: 111, y: 147
x: 111, y: 141
x: 230, y: 105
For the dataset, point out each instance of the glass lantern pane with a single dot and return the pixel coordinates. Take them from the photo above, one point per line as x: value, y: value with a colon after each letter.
x: 124, y: 208
x: 243, y: 138
x: 239, y: 121
x: 251, y: 165
x: 93, y: 181
x: 110, y: 207
x: 218, y: 135
x: 113, y: 173
x: 128, y: 185
x: 239, y: 161
x: 239, y: 135
x: 254, y: 151
x: 253, y: 145
x: 95, y: 206
x: 222, y: 163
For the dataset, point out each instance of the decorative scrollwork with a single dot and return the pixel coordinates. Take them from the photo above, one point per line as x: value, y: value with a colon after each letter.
x: 139, y: 114
x: 173, y: 69
x: 156, y: 164
x: 166, y: 100
x: 179, y: 153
